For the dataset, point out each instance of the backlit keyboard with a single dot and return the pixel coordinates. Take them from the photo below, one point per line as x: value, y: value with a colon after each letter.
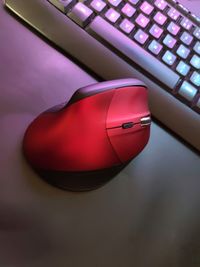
x: 158, y: 38
x: 157, y: 35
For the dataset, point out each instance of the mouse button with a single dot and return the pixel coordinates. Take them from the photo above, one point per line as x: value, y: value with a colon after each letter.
x: 129, y: 142
x: 128, y: 104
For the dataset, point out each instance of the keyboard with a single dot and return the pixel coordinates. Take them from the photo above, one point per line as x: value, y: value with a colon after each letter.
x: 157, y: 41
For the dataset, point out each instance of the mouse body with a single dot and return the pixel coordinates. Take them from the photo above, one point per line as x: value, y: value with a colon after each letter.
x: 102, y: 127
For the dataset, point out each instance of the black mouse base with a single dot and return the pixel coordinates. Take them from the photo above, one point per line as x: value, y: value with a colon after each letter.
x: 80, y: 181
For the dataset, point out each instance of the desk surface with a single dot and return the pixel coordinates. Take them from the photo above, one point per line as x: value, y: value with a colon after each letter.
x: 148, y: 215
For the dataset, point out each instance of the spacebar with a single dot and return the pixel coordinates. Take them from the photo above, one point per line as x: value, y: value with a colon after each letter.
x: 133, y: 51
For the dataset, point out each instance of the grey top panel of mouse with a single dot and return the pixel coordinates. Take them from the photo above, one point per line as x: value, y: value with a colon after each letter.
x: 103, y: 86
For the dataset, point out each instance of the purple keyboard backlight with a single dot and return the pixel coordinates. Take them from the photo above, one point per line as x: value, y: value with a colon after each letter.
x: 142, y: 20
x: 156, y: 29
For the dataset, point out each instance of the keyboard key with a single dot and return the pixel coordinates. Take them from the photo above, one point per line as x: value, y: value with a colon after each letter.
x: 195, y: 62
x: 104, y: 30
x: 196, y: 33
x: 112, y: 15
x: 62, y: 5
x: 126, y: 26
x: 183, y: 51
x: 146, y: 8
x: 187, y: 91
x: 114, y: 3
x: 80, y: 13
x: 160, y: 18
x: 195, y: 78
x: 155, y: 47
x: 156, y: 31
x: 186, y: 38
x: 173, y: 13
x: 173, y: 28
x: 98, y: 5
x: 134, y: 2
x: 128, y: 10
x: 183, y: 68
x: 142, y: 21
x: 161, y: 4
x: 197, y: 48
x: 186, y: 23
x: 141, y: 36
x: 169, y: 58
x: 169, y: 41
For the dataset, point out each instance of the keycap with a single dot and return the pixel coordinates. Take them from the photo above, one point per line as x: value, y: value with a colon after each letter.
x: 183, y: 51
x: 112, y: 15
x: 169, y: 58
x: 63, y: 5
x: 155, y: 47
x: 186, y: 23
x: 160, y: 18
x: 196, y: 33
x: 183, y: 68
x: 197, y: 48
x: 195, y: 62
x: 114, y: 3
x: 80, y: 13
x: 156, y: 31
x: 126, y: 26
x: 104, y: 30
x: 187, y: 91
x: 141, y: 36
x: 146, y: 8
x: 186, y: 38
x: 161, y: 4
x: 142, y: 20
x: 98, y: 5
x: 134, y: 2
x: 195, y: 78
x: 169, y: 41
x: 128, y: 10
x: 173, y: 28
x: 173, y: 13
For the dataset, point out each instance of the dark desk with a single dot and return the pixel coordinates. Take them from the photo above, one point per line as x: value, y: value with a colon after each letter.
x: 148, y: 216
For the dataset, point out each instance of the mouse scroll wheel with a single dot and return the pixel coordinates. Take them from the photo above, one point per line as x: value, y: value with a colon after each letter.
x: 145, y: 121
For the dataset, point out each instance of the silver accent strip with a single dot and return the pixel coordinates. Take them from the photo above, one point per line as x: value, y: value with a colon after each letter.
x: 145, y: 121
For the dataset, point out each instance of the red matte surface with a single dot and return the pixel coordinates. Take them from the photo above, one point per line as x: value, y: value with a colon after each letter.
x: 76, y: 139
x: 128, y: 143
x: 73, y: 138
x: 128, y: 105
